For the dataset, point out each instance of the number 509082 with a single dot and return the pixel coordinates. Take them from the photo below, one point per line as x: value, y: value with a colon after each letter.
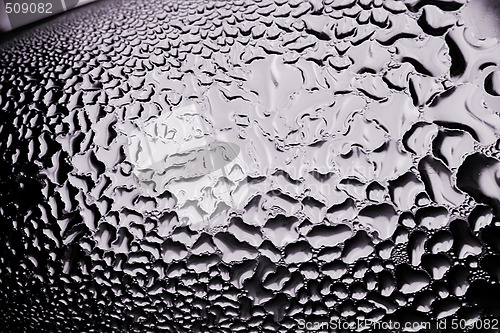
x: 28, y: 8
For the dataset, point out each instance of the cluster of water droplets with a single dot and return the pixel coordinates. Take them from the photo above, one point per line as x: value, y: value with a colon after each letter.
x: 360, y: 182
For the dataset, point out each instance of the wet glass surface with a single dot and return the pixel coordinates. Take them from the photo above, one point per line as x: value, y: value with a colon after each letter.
x: 251, y: 166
